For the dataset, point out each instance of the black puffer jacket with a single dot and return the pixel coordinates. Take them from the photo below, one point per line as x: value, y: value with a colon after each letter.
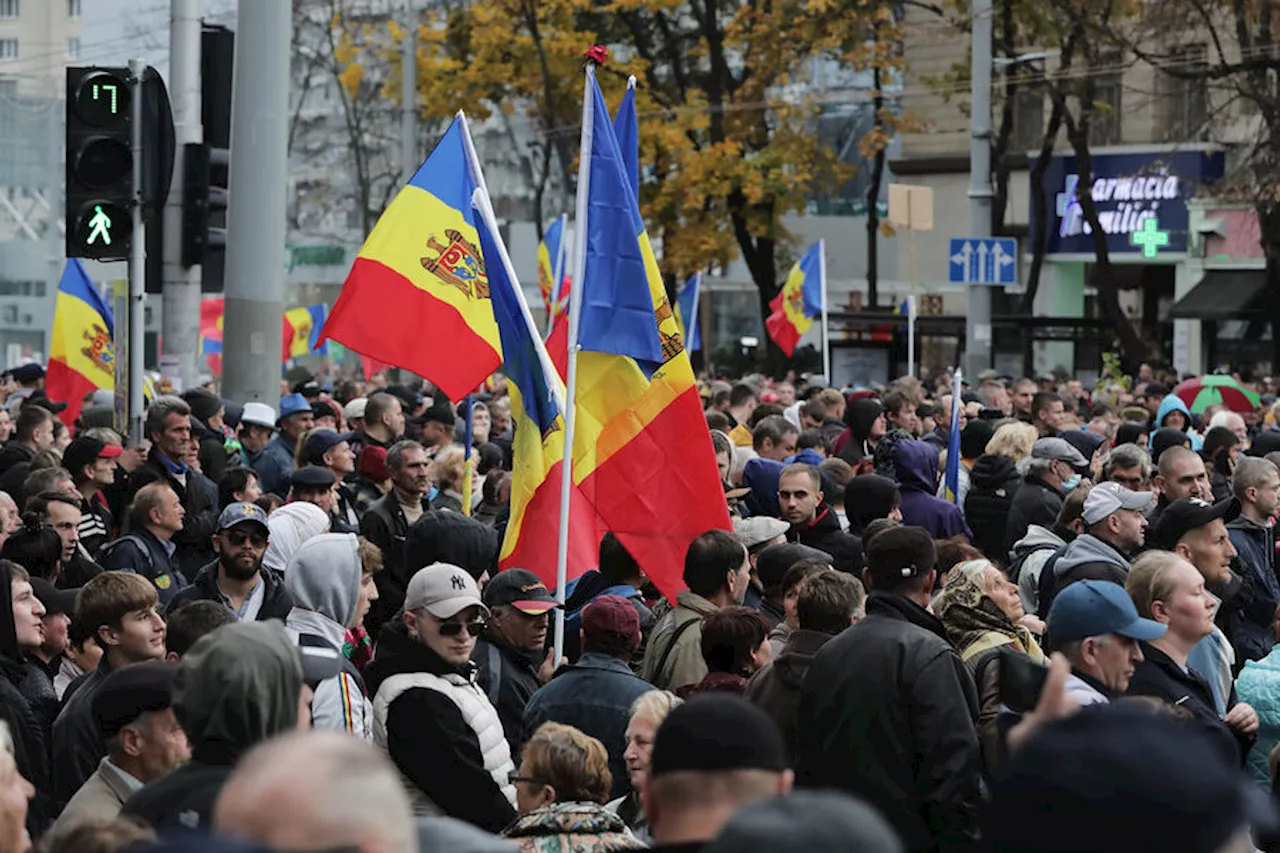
x: 992, y: 483
x: 200, y: 500
x: 887, y: 713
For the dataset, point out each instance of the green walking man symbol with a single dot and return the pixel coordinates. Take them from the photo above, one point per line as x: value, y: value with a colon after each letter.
x: 99, y: 226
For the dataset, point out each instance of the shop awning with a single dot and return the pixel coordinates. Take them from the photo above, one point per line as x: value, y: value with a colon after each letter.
x: 1220, y: 295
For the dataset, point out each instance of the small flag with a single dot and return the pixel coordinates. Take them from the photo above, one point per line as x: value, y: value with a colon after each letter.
x: 799, y: 301
x: 953, y: 443
x: 687, y: 313
x: 82, y: 349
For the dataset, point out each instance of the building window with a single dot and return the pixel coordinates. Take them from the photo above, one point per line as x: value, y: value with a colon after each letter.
x: 1104, y: 123
x: 73, y: 47
x: 1184, y: 103
x: 8, y: 48
x: 8, y: 87
x: 73, y: 8
x: 1028, y: 120
x: 9, y: 9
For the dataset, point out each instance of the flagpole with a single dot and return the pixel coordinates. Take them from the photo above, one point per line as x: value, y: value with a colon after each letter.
x: 571, y: 376
x: 826, y: 331
x: 467, y: 438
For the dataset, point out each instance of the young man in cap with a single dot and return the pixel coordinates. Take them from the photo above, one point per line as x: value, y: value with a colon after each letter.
x: 276, y: 462
x: 237, y: 579
x: 887, y: 709
x: 387, y: 521
x: 121, y: 611
x: 757, y: 533
x: 438, y: 726
x: 1115, y: 523
x: 1096, y: 627
x: 330, y: 450
x: 438, y: 424
x: 1054, y: 470
x: 134, y: 714
x: 92, y: 464
x: 711, y: 758
x: 168, y: 425
x: 353, y: 414
x: 1197, y: 532
x: 511, y: 657
x: 1256, y: 485
x: 315, y: 485
x: 595, y: 694
x: 257, y: 428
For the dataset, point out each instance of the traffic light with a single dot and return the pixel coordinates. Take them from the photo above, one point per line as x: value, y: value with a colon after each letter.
x: 209, y: 180
x: 99, y: 163
x: 204, y: 195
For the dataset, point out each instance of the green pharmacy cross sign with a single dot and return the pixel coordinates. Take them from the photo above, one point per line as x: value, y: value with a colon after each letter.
x: 1150, y: 238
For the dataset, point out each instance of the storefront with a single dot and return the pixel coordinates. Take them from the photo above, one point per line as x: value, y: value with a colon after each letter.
x: 1142, y: 197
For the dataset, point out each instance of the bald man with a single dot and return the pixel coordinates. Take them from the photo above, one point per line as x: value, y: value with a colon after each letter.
x: 292, y: 790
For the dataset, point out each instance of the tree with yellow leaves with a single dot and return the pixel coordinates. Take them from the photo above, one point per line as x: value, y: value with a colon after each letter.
x: 726, y: 100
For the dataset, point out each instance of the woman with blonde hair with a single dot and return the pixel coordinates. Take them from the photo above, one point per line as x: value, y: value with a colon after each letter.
x: 561, y: 787
x: 982, y: 614
x: 992, y: 481
x: 647, y: 714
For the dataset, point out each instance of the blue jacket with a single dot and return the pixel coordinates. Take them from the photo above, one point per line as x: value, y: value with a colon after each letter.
x: 915, y: 465
x: 594, y: 695
x: 1259, y: 685
x: 275, y: 465
x: 1254, y: 619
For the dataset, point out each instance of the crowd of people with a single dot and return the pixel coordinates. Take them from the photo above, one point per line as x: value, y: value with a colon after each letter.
x: 284, y: 628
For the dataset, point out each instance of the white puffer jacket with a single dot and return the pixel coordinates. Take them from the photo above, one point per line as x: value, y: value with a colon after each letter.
x: 476, y: 710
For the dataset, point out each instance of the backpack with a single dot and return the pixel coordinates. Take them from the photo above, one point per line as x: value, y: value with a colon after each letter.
x: 1015, y: 568
x: 1048, y: 583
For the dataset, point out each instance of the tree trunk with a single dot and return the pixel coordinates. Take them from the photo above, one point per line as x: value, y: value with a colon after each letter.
x: 873, y: 202
x: 1269, y: 226
x: 1040, y: 239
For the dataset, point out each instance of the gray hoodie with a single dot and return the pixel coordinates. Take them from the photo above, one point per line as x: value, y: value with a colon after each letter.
x: 323, y: 577
x: 1041, y: 542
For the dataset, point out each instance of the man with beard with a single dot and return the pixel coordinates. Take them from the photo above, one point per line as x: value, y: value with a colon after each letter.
x: 238, y: 579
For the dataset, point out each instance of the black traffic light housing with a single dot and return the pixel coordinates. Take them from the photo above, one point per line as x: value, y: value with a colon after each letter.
x: 99, y: 163
x: 207, y: 165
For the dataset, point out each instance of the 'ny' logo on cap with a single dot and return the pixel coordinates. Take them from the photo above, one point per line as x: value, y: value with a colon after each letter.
x: 458, y: 582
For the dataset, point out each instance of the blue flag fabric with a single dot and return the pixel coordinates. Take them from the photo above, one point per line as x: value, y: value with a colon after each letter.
x: 626, y: 126
x: 953, y: 443
x: 687, y: 304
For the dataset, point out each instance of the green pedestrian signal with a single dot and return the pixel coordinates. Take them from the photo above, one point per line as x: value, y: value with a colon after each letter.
x: 99, y: 227
x: 101, y: 230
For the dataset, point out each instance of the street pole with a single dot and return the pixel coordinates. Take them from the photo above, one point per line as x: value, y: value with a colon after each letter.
x: 137, y: 261
x: 181, y: 294
x: 254, y: 287
x: 978, y: 325
x: 409, y: 159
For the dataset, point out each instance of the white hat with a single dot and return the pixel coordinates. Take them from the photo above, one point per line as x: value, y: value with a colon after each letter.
x: 355, y: 408
x: 259, y: 414
x: 758, y: 529
x: 443, y: 590
x: 1106, y: 498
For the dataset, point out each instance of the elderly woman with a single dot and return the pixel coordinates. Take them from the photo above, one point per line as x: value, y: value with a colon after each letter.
x: 647, y: 713
x: 981, y: 610
x: 561, y: 787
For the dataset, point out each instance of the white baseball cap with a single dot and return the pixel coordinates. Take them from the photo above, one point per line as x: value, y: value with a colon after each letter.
x: 259, y: 414
x: 443, y: 590
x: 355, y: 408
x: 1106, y: 498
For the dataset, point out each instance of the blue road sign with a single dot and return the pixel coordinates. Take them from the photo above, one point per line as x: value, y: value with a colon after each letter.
x: 983, y: 260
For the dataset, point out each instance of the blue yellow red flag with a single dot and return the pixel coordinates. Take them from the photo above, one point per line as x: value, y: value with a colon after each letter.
x: 537, y: 406
x: 799, y: 301
x: 302, y: 329
x: 417, y: 295
x: 952, y: 478
x: 687, y: 313
x: 626, y: 126
x: 81, y: 349
x: 551, y: 255
x: 641, y: 454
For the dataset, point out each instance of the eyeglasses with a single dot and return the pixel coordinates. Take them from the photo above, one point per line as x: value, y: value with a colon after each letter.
x: 239, y: 537
x: 515, y: 778
x: 453, y: 627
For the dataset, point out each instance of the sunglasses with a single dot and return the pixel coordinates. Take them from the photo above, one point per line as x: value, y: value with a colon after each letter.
x: 239, y: 537
x: 453, y: 627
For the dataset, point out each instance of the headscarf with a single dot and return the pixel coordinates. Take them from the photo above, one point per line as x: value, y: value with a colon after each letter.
x: 974, y: 622
x: 290, y: 526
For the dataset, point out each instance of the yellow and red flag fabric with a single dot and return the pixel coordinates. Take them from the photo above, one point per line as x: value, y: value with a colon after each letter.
x: 417, y: 295
x: 642, y: 453
x: 799, y: 301
x: 81, y: 349
x: 551, y: 267
x: 300, y: 332
x: 537, y: 411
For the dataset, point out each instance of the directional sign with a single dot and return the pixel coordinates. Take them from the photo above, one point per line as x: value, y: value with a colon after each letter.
x: 983, y: 260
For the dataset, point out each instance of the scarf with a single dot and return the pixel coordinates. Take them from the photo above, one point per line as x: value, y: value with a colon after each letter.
x: 974, y: 622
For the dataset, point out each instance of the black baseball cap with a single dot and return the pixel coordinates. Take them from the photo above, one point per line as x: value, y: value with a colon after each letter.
x: 83, y: 450
x: 55, y: 600
x: 1186, y: 514
x: 521, y: 589
x: 321, y: 441
x: 438, y: 413
x: 900, y: 552
x: 717, y: 733
x: 312, y: 477
x: 131, y: 691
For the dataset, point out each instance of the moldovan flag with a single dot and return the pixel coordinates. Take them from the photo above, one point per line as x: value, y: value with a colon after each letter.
x: 551, y: 255
x: 687, y: 313
x: 641, y: 453
x: 799, y: 301
x: 537, y: 406
x: 417, y: 295
x: 81, y: 351
x: 302, y: 328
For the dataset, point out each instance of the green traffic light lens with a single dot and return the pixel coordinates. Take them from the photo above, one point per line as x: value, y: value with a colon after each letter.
x: 103, y: 100
x: 103, y: 162
x: 102, y: 225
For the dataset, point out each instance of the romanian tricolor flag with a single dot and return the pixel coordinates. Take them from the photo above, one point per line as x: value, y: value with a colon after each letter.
x: 799, y: 301
x: 642, y: 453
x: 537, y: 406
x: 687, y: 313
x: 81, y: 351
x: 417, y: 295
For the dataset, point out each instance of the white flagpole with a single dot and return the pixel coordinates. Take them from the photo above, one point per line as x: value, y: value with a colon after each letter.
x: 571, y: 377
x: 826, y: 330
